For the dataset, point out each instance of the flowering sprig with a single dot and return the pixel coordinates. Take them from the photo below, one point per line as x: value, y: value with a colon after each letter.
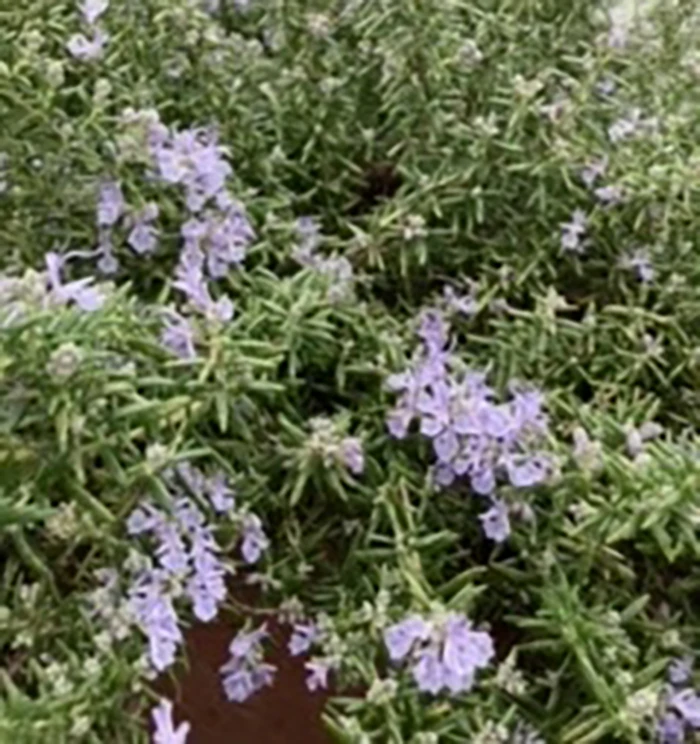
x: 185, y: 558
x: 305, y: 636
x: 217, y: 232
x: 472, y: 434
x: 112, y: 210
x: 245, y: 672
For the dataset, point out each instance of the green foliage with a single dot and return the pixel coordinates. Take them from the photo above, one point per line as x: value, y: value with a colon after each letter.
x: 418, y: 134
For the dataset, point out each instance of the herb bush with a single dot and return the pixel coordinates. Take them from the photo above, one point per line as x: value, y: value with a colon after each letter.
x: 387, y: 308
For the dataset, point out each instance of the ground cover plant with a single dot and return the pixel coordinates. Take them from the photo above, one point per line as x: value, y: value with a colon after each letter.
x: 375, y: 322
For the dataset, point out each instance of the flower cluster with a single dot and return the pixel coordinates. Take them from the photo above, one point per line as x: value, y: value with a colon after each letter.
x: 191, y: 158
x: 304, y: 636
x: 80, y: 46
x: 682, y: 705
x: 444, y: 653
x: 472, y: 434
x: 217, y: 231
x: 245, y: 673
x: 151, y: 607
x: 111, y: 209
x: 337, y: 269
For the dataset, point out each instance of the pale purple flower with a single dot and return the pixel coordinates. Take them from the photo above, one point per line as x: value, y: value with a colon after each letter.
x: 304, y: 635
x: 190, y: 280
x: 244, y: 673
x: 193, y: 478
x: 483, y: 481
x: 165, y: 731
x: 526, y: 410
x: 206, y: 587
x: 414, y: 384
x: 461, y: 304
x: 317, y: 678
x: 171, y: 550
x: 428, y: 671
x: 336, y: 269
x: 246, y: 642
x: 687, y: 704
x: 309, y: 234
x: 87, y: 50
x: 351, y: 454
x: 680, y: 670
x: 143, y: 236
x: 81, y: 291
x: 110, y: 205
x: 178, y: 335
x: 495, y: 522
x: 639, y: 261
x: 433, y: 330
x: 437, y: 421
x: 107, y: 262
x: 398, y: 421
x: 430, y: 369
x: 625, y: 127
x: 573, y: 232
x: 152, y: 609
x: 594, y: 170
x: 464, y: 651
x: 93, y: 9
x: 670, y: 730
x: 609, y: 196
x: 238, y: 682
x: 255, y: 542
x: 527, y: 470
x: 606, y: 87
x: 221, y: 495
x: 143, y: 520
x: 400, y: 638
x: 444, y: 474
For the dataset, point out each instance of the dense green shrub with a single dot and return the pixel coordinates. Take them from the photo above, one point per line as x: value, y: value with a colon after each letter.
x: 434, y: 144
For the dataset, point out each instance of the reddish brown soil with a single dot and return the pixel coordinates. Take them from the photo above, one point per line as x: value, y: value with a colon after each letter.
x: 283, y: 714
